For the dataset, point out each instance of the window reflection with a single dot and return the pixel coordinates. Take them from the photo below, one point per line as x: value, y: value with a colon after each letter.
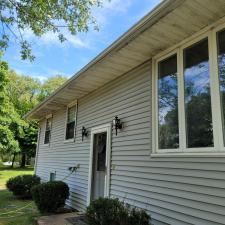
x: 167, y: 104
x: 199, y: 131
x: 221, y: 69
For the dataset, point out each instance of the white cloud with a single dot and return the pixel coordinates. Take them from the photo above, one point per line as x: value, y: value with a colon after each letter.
x: 103, y: 14
x: 40, y: 77
x: 117, y: 5
x: 51, y: 38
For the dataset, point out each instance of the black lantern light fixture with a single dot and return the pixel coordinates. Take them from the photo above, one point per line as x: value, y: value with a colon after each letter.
x: 117, y: 124
x: 84, y: 133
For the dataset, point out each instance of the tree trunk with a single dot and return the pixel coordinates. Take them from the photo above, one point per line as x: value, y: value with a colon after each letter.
x: 23, y: 160
x: 13, y: 159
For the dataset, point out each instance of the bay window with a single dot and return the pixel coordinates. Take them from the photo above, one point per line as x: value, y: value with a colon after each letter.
x: 189, y: 107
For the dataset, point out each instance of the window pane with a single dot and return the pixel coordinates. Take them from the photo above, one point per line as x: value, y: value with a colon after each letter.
x: 48, y: 130
x: 168, y: 104
x: 100, y: 149
x: 71, y: 114
x: 48, y: 124
x: 70, y: 130
x: 47, y: 137
x: 199, y: 128
x: 221, y: 69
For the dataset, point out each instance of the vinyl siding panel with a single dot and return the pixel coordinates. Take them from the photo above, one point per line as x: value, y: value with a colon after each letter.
x: 173, y: 190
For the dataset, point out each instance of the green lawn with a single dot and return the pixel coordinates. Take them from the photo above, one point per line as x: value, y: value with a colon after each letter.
x: 14, y: 211
x: 6, y: 172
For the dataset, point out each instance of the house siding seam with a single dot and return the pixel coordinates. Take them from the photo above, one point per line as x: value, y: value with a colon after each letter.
x: 173, y: 190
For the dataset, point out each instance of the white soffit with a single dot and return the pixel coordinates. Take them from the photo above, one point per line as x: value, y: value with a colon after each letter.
x: 168, y: 24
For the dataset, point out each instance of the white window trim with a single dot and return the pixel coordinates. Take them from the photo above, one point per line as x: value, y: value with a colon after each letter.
x: 73, y: 103
x: 218, y: 150
x: 49, y: 116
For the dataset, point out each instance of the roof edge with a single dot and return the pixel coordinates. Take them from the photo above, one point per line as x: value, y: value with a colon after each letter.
x: 129, y: 35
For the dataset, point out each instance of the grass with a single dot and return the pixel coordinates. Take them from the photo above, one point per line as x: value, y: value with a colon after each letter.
x: 9, y: 205
x: 7, y: 172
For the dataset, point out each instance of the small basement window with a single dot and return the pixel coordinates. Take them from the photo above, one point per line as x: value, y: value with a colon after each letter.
x: 52, y: 176
x: 48, y: 131
x: 71, y: 122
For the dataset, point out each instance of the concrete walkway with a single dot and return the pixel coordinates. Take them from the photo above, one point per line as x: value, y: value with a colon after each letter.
x: 58, y: 219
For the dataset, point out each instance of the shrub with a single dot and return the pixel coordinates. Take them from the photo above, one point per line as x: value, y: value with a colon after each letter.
x: 50, y: 196
x: 21, y: 185
x: 138, y: 217
x: 106, y: 211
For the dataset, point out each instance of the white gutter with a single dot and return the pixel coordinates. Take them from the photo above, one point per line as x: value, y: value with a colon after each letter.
x: 147, y: 21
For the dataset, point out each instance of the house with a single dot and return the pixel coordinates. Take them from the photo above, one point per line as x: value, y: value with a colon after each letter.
x: 164, y: 81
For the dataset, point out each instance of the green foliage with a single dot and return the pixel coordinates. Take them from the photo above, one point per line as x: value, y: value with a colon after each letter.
x: 11, y: 125
x: 21, y: 185
x: 22, y: 92
x: 59, y: 17
x: 19, y: 95
x: 138, y: 217
x: 50, y: 85
x: 50, y: 196
x: 106, y: 211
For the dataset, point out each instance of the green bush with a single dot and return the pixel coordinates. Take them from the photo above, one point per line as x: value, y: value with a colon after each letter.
x: 138, y: 217
x: 50, y: 196
x: 106, y: 211
x: 21, y: 185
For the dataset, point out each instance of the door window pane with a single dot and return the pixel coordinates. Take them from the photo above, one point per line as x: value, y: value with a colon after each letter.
x: 199, y: 129
x: 100, y: 149
x: 168, y: 104
x: 221, y: 69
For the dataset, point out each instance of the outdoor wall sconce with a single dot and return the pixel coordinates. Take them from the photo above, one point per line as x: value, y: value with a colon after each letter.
x: 117, y: 124
x: 84, y: 133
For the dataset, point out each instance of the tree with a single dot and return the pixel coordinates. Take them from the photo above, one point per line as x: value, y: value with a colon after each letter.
x: 10, y: 121
x: 24, y: 92
x: 27, y: 142
x: 40, y: 17
x: 50, y: 85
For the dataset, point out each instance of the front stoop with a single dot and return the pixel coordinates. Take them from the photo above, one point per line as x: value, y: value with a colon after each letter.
x: 58, y: 219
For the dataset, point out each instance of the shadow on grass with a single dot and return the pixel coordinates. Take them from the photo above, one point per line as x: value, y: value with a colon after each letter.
x: 27, y: 168
x: 14, y: 211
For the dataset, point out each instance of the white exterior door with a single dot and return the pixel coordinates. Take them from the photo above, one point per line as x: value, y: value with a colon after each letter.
x: 99, y: 168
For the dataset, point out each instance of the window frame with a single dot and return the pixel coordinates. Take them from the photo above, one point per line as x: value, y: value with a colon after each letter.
x: 74, y: 103
x: 219, y: 146
x: 46, y: 120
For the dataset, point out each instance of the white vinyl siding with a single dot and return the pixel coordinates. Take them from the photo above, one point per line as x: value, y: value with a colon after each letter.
x: 174, y: 190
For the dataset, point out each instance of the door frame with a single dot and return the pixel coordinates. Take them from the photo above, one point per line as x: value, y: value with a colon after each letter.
x: 100, y: 129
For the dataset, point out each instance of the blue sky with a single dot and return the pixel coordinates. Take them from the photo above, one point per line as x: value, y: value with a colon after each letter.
x: 54, y: 58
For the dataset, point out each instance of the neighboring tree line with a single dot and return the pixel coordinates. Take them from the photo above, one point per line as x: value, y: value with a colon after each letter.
x: 18, y: 95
